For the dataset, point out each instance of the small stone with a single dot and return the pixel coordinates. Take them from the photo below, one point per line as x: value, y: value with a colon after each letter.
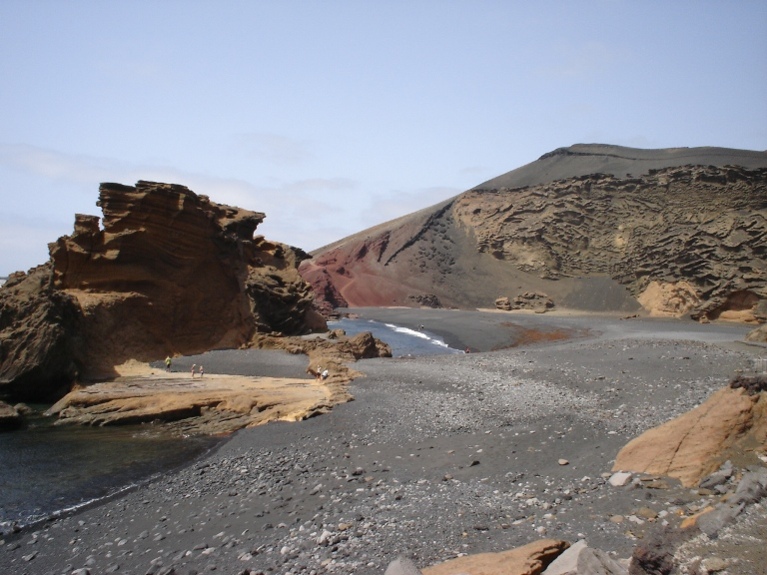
x: 617, y: 519
x: 619, y: 479
x: 563, y: 462
x: 714, y: 564
x: 647, y: 513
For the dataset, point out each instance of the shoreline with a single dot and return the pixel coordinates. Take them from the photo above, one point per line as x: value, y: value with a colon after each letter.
x: 436, y: 457
x: 493, y: 330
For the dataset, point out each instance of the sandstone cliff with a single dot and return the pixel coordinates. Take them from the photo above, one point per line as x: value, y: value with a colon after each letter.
x: 164, y: 272
x: 603, y: 228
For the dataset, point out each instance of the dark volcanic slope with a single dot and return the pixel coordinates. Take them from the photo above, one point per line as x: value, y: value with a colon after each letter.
x: 595, y: 227
x: 619, y: 161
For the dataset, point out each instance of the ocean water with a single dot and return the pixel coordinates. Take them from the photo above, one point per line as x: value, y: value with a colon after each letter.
x: 47, y: 469
x: 402, y: 340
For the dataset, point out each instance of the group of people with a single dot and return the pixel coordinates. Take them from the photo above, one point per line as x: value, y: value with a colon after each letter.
x: 195, y: 368
x: 318, y: 373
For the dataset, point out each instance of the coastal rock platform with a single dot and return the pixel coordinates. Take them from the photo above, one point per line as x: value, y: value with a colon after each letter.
x: 210, y: 405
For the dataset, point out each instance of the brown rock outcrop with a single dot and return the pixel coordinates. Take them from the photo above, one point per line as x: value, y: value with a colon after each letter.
x: 731, y: 424
x: 534, y: 301
x: 758, y: 335
x: 165, y: 272
x: 530, y: 559
x: 216, y: 404
x: 685, y: 235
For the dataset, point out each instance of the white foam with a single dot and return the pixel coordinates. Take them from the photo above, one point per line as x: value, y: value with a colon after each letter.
x: 415, y: 333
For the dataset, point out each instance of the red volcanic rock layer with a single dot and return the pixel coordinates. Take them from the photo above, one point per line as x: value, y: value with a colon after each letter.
x: 167, y: 272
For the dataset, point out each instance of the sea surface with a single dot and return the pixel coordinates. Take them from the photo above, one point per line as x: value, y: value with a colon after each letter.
x: 402, y: 340
x: 47, y: 469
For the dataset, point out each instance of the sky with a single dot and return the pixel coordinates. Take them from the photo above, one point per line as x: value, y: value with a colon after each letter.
x: 333, y: 116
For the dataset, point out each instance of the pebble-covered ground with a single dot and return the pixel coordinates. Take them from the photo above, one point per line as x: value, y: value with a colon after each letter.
x: 436, y: 457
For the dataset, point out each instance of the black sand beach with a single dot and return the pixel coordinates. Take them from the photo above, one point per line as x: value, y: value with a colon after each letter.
x: 436, y: 457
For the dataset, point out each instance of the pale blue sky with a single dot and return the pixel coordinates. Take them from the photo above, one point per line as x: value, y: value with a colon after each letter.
x: 334, y: 116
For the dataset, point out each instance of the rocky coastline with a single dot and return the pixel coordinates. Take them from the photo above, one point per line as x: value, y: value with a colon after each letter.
x: 441, y: 458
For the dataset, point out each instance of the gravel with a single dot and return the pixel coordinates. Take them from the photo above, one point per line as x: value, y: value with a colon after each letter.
x: 437, y: 457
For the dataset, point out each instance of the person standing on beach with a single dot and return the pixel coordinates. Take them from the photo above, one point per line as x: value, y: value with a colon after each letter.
x: 193, y: 366
x: 202, y: 372
x: 167, y: 363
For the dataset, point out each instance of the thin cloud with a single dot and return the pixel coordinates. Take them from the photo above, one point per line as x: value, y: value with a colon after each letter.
x: 295, y: 210
x: 271, y: 148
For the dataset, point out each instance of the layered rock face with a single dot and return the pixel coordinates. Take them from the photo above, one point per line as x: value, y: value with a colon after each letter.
x: 685, y: 235
x: 165, y: 272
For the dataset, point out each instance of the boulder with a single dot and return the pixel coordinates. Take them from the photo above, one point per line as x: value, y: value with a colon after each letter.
x: 567, y: 562
x: 696, y: 444
x: 597, y: 562
x: 619, y: 479
x: 425, y: 300
x: 719, y: 477
x: 654, y: 555
x: 751, y: 488
x: 535, y: 301
x: 669, y: 299
x: 758, y: 335
x: 365, y: 346
x: 503, y: 303
x: 530, y: 559
x: 402, y: 566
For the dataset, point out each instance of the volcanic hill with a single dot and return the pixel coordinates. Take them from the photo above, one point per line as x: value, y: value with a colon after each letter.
x: 164, y: 272
x: 589, y: 227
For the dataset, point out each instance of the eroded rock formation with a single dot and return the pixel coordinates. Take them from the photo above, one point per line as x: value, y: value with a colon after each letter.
x: 530, y: 559
x: 729, y: 425
x: 164, y: 272
x: 604, y: 228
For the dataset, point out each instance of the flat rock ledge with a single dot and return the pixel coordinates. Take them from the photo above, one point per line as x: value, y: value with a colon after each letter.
x: 215, y: 404
x: 211, y: 405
